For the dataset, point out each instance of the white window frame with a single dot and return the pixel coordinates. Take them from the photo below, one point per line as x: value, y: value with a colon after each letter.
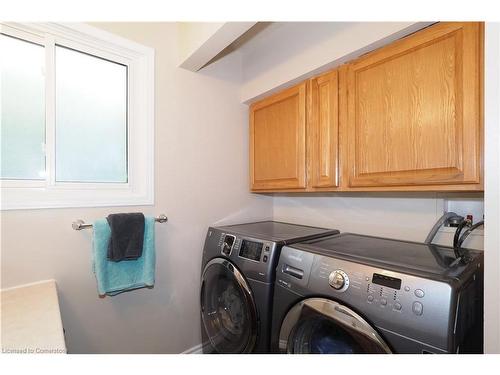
x: 139, y: 59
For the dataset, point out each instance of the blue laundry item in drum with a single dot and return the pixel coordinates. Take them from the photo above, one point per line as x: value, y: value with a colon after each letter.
x: 318, y: 335
x: 330, y: 345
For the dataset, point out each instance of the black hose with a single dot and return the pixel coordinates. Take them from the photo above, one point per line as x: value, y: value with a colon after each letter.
x: 464, y: 236
x: 461, y: 226
x: 441, y: 221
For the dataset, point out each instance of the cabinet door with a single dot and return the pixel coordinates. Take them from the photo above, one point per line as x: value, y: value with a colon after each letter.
x: 323, y: 131
x: 277, y: 141
x: 414, y: 110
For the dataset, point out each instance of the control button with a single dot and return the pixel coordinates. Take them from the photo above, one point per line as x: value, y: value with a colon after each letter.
x: 397, y: 306
x: 383, y: 302
x: 367, y: 278
x: 264, y: 259
x: 407, y: 288
x: 419, y: 293
x: 418, y: 308
x: 370, y: 298
x: 267, y: 248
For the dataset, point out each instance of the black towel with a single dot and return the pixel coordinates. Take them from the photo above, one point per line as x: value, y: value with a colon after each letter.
x: 127, y: 236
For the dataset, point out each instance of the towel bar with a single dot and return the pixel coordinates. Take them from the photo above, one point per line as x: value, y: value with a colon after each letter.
x: 80, y: 224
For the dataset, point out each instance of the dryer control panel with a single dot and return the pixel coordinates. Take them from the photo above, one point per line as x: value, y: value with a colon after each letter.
x: 254, y: 257
x: 249, y: 249
x: 417, y: 307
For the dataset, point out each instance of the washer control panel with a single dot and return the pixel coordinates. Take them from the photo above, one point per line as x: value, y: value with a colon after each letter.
x: 381, y: 289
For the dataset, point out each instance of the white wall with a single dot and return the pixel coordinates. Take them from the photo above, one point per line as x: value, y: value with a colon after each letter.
x: 289, y: 52
x: 406, y: 216
x: 192, y: 35
x: 201, y: 149
x: 492, y: 188
x: 201, y: 42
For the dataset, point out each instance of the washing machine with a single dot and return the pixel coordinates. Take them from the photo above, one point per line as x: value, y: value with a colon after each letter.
x: 353, y: 293
x: 237, y: 282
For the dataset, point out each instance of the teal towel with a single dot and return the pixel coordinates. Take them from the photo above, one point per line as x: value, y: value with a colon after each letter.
x: 117, y: 277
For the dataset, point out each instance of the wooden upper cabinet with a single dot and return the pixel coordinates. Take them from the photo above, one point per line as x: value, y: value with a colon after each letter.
x: 278, y: 141
x: 407, y: 116
x: 323, y: 130
x: 414, y: 110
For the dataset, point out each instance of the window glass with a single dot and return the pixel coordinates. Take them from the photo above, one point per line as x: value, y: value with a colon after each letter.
x: 91, y: 118
x: 22, y: 109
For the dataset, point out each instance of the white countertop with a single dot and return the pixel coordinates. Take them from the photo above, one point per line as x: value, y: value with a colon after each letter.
x: 31, y: 319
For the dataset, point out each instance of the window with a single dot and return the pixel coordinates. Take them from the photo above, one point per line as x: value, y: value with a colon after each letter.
x: 23, y: 126
x: 91, y: 118
x: 76, y: 118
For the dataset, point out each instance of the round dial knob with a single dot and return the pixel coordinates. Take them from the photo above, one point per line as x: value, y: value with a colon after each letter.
x: 337, y: 279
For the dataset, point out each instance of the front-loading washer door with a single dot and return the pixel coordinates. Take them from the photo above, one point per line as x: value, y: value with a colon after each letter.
x: 323, y: 326
x: 227, y: 308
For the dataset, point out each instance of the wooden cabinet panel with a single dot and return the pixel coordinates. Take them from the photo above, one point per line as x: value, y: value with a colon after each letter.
x: 323, y: 131
x: 278, y: 141
x: 414, y: 110
x: 406, y: 117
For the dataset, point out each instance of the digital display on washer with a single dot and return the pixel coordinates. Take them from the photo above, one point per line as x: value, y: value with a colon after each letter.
x: 388, y: 281
x: 251, y: 250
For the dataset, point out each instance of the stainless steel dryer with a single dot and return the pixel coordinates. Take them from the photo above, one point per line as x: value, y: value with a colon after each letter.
x: 360, y: 294
x: 237, y: 281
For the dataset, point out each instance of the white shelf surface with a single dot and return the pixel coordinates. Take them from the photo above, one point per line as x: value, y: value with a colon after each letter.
x: 31, y: 319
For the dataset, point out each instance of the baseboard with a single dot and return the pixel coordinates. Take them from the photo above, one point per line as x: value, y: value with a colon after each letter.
x: 197, y: 349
